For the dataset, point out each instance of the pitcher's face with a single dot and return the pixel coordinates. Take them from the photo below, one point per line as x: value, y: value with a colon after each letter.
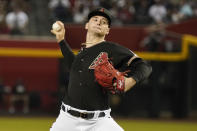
x: 98, y: 25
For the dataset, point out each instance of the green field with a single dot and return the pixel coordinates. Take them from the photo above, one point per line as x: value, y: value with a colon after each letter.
x: 44, y: 123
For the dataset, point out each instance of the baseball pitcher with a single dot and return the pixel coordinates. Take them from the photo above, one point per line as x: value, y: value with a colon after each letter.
x: 100, y: 68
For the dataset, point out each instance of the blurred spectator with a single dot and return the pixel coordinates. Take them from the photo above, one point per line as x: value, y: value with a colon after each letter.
x: 4, y: 94
x: 160, y: 39
x: 24, y: 5
x: 194, y: 7
x: 96, y: 3
x: 120, y: 3
x: 158, y: 11
x: 106, y: 4
x: 19, y: 93
x: 153, y: 41
x: 61, y: 10
x: 80, y: 13
x: 114, y: 12
x: 176, y: 16
x: 141, y: 14
x: 126, y: 13
x: 174, y: 2
x: 186, y: 9
x: 3, y: 26
x: 17, y: 21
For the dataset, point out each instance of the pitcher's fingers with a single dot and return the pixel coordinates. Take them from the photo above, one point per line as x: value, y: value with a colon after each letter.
x: 53, y: 32
x: 60, y: 23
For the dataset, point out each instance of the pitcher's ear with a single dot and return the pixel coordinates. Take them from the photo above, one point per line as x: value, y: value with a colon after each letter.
x: 108, y: 31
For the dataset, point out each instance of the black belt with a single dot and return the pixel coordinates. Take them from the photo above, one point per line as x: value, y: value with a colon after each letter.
x: 83, y: 115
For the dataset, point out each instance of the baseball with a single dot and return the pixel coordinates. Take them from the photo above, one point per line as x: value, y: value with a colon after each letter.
x: 56, y: 26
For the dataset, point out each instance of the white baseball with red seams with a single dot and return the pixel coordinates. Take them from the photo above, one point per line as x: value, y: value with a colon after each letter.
x: 56, y: 26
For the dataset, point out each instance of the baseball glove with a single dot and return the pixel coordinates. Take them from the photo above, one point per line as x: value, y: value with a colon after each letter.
x: 107, y: 76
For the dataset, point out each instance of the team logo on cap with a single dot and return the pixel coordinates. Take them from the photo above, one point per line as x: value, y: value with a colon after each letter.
x: 102, y: 9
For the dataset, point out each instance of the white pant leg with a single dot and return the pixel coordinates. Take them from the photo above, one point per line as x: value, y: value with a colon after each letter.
x: 107, y: 124
x: 65, y: 122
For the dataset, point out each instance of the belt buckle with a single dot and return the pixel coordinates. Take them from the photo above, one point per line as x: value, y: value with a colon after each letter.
x: 83, y: 115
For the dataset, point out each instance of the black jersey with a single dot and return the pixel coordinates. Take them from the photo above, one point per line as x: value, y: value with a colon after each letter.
x: 83, y: 91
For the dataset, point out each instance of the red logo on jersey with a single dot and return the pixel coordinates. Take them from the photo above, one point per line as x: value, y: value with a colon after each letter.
x: 98, y: 60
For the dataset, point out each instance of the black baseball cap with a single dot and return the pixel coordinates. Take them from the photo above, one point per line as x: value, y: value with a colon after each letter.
x: 101, y: 12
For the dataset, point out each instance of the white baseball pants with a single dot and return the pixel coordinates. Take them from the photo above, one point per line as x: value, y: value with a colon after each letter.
x: 67, y: 122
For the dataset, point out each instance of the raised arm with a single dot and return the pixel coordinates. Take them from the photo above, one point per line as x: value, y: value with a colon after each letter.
x: 59, y: 32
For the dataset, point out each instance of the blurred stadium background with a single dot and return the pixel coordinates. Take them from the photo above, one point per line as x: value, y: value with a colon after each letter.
x: 33, y: 77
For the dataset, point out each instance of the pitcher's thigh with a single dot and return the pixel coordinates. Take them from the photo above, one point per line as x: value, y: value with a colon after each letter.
x: 64, y: 122
x: 107, y: 124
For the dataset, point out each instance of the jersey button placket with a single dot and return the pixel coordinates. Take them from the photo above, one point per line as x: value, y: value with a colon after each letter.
x: 80, y: 71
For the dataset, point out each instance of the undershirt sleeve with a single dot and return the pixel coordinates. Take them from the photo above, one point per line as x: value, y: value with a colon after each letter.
x: 67, y: 53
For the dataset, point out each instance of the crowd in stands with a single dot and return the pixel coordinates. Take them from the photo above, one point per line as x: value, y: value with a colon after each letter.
x: 125, y: 11
x: 14, y: 17
x: 12, y: 96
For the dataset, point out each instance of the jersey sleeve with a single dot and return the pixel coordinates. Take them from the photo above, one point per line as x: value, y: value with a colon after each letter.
x: 120, y: 55
x: 126, y: 60
x: 67, y: 53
